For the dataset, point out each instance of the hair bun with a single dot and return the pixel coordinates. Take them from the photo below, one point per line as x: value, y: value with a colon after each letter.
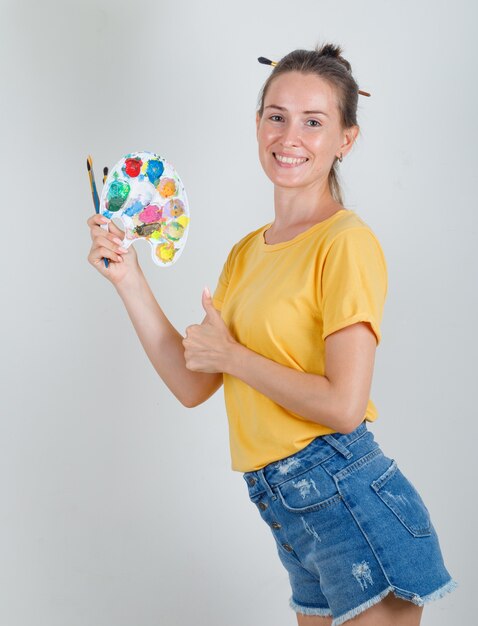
x: 329, y: 50
x: 334, y: 52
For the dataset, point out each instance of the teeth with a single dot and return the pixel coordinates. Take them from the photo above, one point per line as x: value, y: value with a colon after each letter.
x: 289, y: 159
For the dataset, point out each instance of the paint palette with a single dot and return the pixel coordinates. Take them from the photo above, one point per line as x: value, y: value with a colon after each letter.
x: 146, y: 192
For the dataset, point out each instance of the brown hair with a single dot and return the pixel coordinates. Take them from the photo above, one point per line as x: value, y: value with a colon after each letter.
x: 327, y: 62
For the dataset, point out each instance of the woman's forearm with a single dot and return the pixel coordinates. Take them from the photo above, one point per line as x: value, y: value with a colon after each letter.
x: 163, y: 343
x: 311, y: 396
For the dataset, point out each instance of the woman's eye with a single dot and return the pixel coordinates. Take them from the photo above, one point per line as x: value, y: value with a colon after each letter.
x: 314, y: 125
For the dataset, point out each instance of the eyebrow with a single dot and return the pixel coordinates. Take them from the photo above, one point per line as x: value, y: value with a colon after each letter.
x: 275, y: 106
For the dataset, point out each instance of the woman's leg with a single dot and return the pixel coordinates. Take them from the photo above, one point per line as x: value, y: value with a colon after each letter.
x: 390, y: 611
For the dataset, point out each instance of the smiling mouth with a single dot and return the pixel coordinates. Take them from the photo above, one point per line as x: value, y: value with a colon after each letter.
x: 289, y: 161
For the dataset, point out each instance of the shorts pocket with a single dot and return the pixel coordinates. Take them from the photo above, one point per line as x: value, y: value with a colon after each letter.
x: 401, y: 497
x: 310, y: 491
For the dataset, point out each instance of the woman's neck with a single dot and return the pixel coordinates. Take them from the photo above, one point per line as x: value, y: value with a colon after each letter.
x: 299, y: 207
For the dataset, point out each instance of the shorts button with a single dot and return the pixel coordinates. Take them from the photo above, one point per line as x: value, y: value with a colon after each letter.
x: 288, y: 547
x: 276, y: 525
x: 251, y: 480
x: 262, y: 506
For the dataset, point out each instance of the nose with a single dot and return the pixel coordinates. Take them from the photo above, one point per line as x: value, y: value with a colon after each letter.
x: 291, y: 135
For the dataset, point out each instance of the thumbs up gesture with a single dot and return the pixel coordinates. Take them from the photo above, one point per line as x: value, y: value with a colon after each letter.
x: 208, y: 346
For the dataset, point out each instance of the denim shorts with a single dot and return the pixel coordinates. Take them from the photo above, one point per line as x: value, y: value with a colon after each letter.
x: 349, y: 527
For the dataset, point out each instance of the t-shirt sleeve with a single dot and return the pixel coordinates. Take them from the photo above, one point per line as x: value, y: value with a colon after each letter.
x: 223, y: 281
x: 354, y: 282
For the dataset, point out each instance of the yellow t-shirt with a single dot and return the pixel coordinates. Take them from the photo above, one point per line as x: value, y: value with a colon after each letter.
x: 282, y: 300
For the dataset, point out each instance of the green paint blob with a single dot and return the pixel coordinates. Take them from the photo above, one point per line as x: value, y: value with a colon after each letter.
x: 117, y: 194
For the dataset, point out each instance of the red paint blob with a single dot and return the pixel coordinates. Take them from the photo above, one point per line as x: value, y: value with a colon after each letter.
x: 133, y: 167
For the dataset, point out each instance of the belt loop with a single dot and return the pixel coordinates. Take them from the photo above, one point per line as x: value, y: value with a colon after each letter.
x: 261, y: 474
x: 335, y: 443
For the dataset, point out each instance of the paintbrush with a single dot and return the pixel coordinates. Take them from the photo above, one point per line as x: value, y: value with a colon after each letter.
x: 94, y: 193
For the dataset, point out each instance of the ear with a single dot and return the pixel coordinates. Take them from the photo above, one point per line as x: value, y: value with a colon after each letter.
x: 350, y: 135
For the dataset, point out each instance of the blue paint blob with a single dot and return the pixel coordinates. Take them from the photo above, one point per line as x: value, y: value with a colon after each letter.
x: 108, y: 214
x: 136, y: 207
x: 154, y: 171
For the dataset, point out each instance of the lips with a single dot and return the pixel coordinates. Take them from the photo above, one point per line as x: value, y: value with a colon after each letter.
x: 289, y: 165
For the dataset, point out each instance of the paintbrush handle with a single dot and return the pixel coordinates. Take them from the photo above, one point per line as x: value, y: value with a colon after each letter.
x: 96, y: 200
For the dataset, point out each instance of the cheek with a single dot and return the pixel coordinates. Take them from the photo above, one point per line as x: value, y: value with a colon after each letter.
x: 324, y: 142
x: 265, y: 137
x: 263, y: 143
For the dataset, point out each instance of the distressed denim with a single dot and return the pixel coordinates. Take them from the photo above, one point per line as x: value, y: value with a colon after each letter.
x: 349, y: 527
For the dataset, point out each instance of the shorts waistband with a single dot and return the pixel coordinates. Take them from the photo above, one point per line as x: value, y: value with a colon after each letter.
x: 316, y: 452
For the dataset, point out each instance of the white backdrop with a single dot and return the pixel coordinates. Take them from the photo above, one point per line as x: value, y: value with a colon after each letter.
x: 118, y: 504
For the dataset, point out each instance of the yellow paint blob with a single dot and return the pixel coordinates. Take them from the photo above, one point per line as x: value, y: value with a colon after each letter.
x: 183, y: 220
x: 165, y: 252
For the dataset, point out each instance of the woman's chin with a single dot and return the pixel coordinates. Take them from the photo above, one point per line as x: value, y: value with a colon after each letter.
x: 283, y: 181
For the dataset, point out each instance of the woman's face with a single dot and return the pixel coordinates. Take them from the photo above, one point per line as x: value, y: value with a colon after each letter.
x: 301, y: 119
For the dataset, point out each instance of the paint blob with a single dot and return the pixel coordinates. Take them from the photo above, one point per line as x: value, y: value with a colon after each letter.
x: 117, y: 195
x: 132, y: 167
x: 146, y: 193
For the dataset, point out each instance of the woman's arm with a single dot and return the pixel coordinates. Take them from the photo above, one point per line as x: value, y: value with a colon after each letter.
x: 163, y: 343
x: 337, y: 400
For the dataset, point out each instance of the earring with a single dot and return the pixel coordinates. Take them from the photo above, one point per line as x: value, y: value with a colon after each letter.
x: 340, y: 158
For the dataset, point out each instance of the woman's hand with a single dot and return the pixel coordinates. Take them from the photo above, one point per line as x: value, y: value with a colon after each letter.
x: 107, y: 243
x: 208, y: 346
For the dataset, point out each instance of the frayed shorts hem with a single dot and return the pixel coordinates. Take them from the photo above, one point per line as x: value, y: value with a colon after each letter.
x: 416, y: 599
x: 438, y: 593
x: 309, y: 610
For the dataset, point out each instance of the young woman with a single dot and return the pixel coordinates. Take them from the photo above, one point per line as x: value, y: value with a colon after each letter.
x: 292, y: 331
